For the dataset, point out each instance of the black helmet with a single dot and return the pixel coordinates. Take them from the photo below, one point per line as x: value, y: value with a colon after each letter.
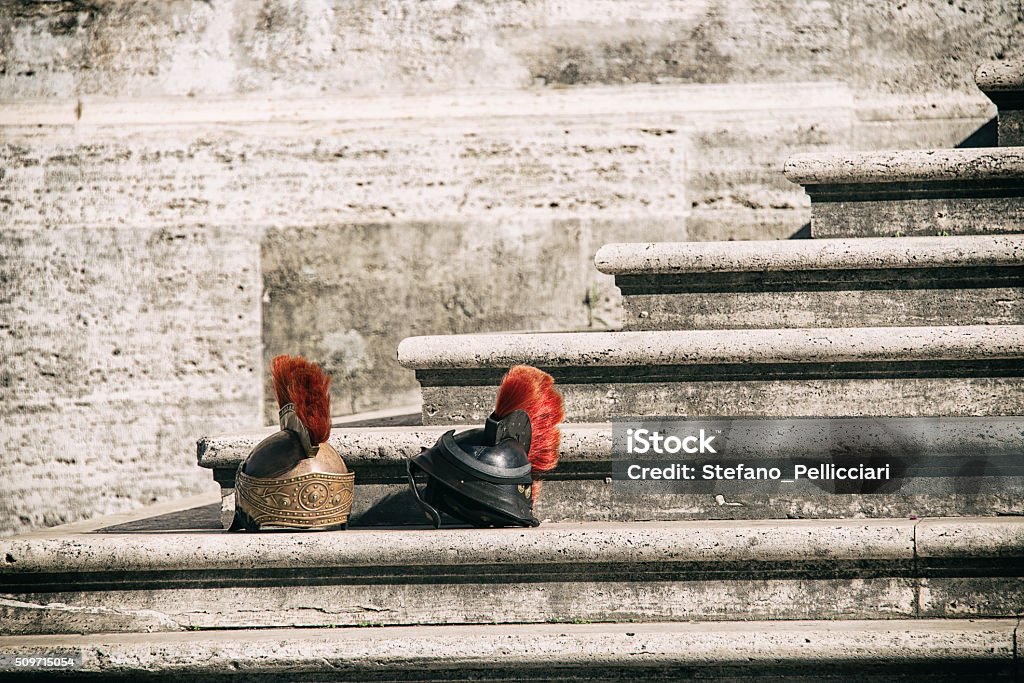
x: 481, y: 476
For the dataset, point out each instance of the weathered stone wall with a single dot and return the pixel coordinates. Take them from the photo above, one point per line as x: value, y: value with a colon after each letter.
x: 312, y: 47
x: 188, y: 188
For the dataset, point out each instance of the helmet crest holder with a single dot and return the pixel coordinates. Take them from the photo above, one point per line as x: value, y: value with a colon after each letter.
x: 289, y: 421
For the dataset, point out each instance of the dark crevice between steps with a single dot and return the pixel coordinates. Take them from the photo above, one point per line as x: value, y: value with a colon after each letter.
x: 519, y: 573
x: 861, y: 279
x: 732, y: 372
x: 645, y: 665
x: 911, y: 190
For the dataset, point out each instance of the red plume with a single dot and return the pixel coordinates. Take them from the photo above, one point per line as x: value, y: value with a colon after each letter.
x: 280, y: 370
x: 298, y: 381
x: 527, y: 388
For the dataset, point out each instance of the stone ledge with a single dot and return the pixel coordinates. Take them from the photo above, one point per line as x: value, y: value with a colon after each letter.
x: 978, y: 164
x: 1003, y: 83
x: 705, y: 541
x: 607, y: 651
x: 967, y: 191
x: 363, y: 110
x: 592, y: 443
x: 820, y: 283
x: 985, y: 538
x: 579, y: 490
x: 929, y: 371
x: 697, y: 347
x: 722, y: 541
x: 823, y: 254
x: 1001, y: 76
x: 369, y: 447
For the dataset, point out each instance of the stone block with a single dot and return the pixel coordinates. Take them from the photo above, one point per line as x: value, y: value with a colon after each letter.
x: 153, y: 49
x: 934, y: 120
x: 898, y: 371
x: 1003, y: 83
x: 911, y: 281
x: 121, y: 345
x: 909, y: 46
x: 935, y: 192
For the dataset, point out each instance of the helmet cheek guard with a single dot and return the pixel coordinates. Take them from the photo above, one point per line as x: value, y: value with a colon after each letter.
x: 480, y: 476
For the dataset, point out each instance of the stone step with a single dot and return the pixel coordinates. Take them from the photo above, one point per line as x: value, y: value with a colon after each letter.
x: 177, y: 577
x: 1003, y: 83
x: 936, y: 649
x: 831, y: 372
x: 921, y: 192
x: 883, y: 281
x: 581, y: 488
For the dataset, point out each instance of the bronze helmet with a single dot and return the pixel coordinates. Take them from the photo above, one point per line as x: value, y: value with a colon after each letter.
x: 294, y: 478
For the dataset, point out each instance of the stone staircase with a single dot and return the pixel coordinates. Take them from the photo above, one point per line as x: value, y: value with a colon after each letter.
x: 915, y: 582
x: 919, y: 192
x: 161, y: 163
x: 172, y: 595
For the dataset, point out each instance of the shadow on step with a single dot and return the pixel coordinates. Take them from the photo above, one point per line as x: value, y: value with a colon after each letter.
x: 985, y: 136
x: 397, y: 510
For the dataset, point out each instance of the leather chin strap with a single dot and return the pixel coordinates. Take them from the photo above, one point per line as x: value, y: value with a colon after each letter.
x: 291, y: 422
x: 429, y: 510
